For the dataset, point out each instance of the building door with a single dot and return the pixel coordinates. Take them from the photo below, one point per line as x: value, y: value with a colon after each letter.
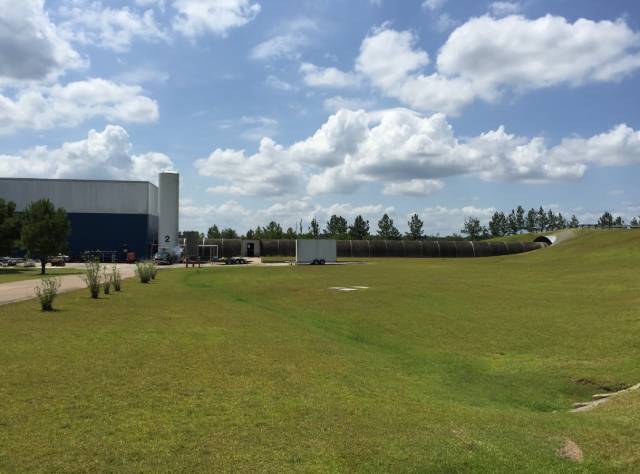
x: 250, y: 251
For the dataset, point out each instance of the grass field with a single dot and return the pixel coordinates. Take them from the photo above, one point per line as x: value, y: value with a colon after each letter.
x: 460, y: 365
x: 18, y: 273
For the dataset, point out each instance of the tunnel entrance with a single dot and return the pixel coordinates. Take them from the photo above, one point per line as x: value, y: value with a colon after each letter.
x: 545, y: 239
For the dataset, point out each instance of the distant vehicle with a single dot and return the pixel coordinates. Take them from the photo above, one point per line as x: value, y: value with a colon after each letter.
x: 12, y: 262
x: 235, y: 261
x: 66, y: 258
x: 4, y: 261
x: 57, y: 261
x: 164, y: 258
x: 29, y: 263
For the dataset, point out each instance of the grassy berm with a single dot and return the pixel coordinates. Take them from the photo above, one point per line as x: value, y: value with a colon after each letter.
x: 467, y: 365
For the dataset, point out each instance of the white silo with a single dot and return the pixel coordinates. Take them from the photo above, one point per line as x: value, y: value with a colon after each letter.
x: 168, y: 202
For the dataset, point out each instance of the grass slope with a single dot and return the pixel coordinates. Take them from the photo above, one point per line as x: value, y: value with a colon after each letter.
x: 440, y: 366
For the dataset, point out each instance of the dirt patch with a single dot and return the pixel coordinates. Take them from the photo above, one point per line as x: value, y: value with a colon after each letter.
x: 570, y: 450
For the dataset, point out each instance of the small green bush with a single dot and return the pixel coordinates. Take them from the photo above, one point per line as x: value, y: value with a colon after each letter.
x: 153, y: 268
x: 92, y: 277
x: 116, y: 278
x: 144, y: 271
x: 47, y: 291
x: 106, y: 281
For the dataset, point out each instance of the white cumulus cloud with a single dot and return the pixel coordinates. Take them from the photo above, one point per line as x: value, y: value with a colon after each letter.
x: 504, y: 8
x: 413, y: 187
x: 487, y: 57
x: 287, y: 42
x: 409, y: 153
x: 329, y: 77
x: 94, y: 24
x: 31, y: 47
x: 198, y: 17
x: 71, y: 104
x: 268, y: 172
x: 105, y: 154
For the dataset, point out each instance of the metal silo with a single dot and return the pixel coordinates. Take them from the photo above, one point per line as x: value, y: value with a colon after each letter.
x: 168, y: 201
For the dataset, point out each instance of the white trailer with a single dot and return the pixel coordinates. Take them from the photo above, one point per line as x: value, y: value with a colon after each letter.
x: 316, y: 251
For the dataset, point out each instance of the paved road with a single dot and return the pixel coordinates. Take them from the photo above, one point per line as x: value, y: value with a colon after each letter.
x: 25, y: 289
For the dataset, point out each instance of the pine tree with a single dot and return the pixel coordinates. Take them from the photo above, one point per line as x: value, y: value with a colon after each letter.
x: 520, y: 219
x: 606, y: 220
x: 573, y: 223
x: 228, y: 233
x: 551, y: 220
x: 314, y: 228
x: 512, y: 223
x: 531, y: 221
x: 542, y: 222
x: 497, y: 224
x: 386, y: 229
x: 561, y: 221
x: 273, y: 231
x: 472, y: 228
x: 290, y: 234
x: 336, y: 227
x: 213, y: 232
x: 415, y: 228
x: 359, y: 230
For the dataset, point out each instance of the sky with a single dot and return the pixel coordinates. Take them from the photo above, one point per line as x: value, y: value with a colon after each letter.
x: 287, y: 110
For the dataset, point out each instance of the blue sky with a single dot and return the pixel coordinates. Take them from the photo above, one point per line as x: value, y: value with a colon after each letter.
x: 288, y: 110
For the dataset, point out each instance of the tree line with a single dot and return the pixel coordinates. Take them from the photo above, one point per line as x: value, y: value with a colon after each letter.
x: 518, y: 221
x: 337, y: 227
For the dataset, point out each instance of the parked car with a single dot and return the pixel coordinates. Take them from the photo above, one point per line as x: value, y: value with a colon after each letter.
x: 235, y: 261
x: 164, y: 258
x: 12, y: 262
x: 30, y: 263
x: 57, y: 262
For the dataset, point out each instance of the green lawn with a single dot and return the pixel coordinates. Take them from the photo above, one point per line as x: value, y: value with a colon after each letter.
x: 440, y: 366
x: 8, y: 274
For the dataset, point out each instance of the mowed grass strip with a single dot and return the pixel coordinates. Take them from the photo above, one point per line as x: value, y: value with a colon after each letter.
x: 441, y: 365
x: 9, y: 274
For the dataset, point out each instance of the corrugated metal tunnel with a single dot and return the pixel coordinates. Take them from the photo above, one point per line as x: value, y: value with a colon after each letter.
x: 385, y: 248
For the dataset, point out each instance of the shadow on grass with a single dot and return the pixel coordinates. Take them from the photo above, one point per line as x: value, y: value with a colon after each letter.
x: 18, y: 271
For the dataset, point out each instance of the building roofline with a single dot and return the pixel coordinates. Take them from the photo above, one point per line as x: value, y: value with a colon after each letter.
x: 81, y: 180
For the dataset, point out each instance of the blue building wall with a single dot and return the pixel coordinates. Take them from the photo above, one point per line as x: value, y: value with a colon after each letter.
x: 112, y: 232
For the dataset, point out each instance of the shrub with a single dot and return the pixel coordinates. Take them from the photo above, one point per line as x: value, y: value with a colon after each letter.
x: 106, y: 281
x: 143, y: 270
x: 92, y: 277
x: 116, y: 278
x: 47, y: 291
x: 153, y: 268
